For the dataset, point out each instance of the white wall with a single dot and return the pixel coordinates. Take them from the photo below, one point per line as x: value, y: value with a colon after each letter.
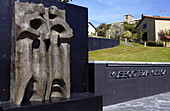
x: 91, y: 29
x: 161, y: 25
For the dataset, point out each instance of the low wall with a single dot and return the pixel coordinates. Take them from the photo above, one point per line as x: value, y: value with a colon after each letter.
x: 123, y: 81
x: 100, y: 43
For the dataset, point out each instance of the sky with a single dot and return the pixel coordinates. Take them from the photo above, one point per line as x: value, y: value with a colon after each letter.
x: 110, y: 11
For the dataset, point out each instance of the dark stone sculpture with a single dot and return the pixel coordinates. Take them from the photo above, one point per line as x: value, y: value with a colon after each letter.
x: 40, y: 53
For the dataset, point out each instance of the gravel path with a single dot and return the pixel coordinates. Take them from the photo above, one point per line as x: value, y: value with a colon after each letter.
x: 159, y: 102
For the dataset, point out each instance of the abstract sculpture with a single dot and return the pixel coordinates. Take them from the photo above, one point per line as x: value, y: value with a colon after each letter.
x: 40, y: 67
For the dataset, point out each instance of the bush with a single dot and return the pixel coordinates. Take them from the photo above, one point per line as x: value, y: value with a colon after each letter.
x: 159, y: 44
x: 101, y: 33
x: 153, y: 43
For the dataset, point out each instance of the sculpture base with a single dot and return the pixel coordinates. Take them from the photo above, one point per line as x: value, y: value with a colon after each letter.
x: 77, y: 102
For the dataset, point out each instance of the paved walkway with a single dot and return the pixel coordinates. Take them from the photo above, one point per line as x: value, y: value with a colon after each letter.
x: 127, y: 44
x: 159, y: 102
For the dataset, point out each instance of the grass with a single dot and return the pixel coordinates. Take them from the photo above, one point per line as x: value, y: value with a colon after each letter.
x: 137, y: 52
x: 90, y: 36
x: 97, y: 36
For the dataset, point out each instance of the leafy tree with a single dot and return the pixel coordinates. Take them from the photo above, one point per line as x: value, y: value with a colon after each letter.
x: 101, y: 33
x: 116, y: 31
x: 162, y: 33
x: 140, y: 35
x: 135, y: 37
x: 127, y: 34
x: 129, y: 27
x: 64, y: 0
x: 101, y: 30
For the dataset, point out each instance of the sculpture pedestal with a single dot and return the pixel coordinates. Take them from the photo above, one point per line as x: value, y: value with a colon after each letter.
x: 77, y: 102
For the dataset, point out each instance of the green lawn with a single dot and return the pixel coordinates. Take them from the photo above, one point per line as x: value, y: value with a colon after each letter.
x: 132, y: 53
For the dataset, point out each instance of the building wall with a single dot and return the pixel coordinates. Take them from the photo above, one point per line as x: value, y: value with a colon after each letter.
x: 161, y: 25
x: 91, y: 29
x: 150, y: 28
x: 128, y: 18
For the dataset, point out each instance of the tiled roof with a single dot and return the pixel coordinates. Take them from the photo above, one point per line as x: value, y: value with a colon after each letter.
x: 154, y: 17
x: 157, y: 17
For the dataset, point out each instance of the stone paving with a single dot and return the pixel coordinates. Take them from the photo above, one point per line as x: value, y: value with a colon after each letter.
x: 159, y: 102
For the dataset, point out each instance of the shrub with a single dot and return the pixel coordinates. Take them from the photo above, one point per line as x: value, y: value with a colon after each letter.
x: 153, y: 43
x: 159, y: 44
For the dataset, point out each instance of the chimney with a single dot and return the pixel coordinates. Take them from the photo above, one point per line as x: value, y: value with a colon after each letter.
x: 160, y: 13
x: 142, y: 16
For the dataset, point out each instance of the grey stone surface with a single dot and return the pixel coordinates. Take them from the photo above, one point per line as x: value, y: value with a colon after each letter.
x: 159, y: 102
x: 125, y: 43
x: 40, y: 53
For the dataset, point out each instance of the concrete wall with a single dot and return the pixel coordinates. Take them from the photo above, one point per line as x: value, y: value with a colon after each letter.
x: 100, y: 43
x: 161, y: 25
x: 150, y: 28
x: 124, y: 81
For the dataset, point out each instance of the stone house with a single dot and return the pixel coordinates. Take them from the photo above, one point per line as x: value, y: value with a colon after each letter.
x: 151, y: 25
x: 130, y: 19
x: 91, y: 28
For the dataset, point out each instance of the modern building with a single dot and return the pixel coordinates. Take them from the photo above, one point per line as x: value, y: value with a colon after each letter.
x: 151, y: 25
x: 91, y: 28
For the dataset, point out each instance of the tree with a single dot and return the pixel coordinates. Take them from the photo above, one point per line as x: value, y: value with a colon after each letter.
x: 116, y: 31
x: 135, y: 37
x: 127, y: 34
x: 101, y: 29
x: 64, y: 0
x: 162, y: 33
x: 129, y: 27
x: 140, y: 35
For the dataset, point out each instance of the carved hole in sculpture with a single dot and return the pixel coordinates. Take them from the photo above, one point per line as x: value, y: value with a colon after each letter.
x: 52, y: 16
x: 42, y: 15
x: 47, y: 44
x: 27, y: 34
x: 36, y: 23
x: 29, y: 90
x: 57, y: 86
x: 59, y: 28
x: 36, y: 43
x: 59, y: 41
x: 59, y: 82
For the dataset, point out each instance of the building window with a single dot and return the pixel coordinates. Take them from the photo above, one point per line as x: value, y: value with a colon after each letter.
x: 126, y: 16
x: 144, y: 25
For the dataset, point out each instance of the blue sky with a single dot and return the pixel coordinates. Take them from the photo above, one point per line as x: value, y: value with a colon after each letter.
x: 109, y: 11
